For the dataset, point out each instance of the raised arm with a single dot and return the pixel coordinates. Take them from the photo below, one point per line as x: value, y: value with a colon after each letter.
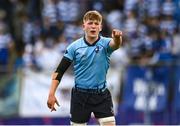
x: 56, y: 78
x: 116, y: 41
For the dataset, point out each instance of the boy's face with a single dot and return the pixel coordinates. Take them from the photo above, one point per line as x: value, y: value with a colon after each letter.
x: 92, y: 28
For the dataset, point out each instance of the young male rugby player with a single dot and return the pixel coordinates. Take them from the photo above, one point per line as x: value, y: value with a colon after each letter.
x: 90, y: 56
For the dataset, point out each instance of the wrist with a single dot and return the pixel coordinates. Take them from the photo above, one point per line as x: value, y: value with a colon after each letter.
x: 51, y: 94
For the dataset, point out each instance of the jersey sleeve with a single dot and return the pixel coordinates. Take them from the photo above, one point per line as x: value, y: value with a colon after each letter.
x: 69, y: 53
x: 106, y: 44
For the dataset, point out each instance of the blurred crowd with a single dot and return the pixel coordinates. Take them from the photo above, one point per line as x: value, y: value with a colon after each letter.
x: 29, y: 26
x: 35, y: 33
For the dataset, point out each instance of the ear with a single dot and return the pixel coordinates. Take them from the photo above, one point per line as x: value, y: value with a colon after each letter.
x: 83, y: 26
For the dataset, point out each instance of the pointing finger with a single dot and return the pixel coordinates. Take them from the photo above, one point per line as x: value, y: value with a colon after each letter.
x: 116, y: 32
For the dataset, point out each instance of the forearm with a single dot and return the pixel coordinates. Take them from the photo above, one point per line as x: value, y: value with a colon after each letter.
x: 117, y: 42
x: 54, y: 85
x: 57, y: 75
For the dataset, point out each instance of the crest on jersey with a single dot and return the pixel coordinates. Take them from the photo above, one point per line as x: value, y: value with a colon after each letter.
x: 97, y: 49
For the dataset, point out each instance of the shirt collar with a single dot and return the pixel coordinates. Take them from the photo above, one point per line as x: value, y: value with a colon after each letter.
x: 93, y: 42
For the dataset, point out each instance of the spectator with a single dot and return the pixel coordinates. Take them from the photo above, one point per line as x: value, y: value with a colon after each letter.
x: 6, y: 47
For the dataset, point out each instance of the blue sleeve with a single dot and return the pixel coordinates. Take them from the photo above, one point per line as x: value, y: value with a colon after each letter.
x: 106, y: 42
x: 69, y: 53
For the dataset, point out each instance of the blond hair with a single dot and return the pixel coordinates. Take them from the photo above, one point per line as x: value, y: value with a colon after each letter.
x: 92, y: 15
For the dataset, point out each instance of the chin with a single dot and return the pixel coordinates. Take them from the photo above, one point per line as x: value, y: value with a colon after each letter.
x: 93, y: 36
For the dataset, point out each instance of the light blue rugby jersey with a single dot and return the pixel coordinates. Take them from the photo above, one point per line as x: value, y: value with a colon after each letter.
x: 91, y: 62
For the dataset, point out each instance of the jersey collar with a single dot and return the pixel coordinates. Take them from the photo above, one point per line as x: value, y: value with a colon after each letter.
x: 92, y: 43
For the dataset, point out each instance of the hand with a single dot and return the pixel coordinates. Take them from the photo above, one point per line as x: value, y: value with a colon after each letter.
x: 116, y: 41
x: 51, y: 102
x: 116, y: 34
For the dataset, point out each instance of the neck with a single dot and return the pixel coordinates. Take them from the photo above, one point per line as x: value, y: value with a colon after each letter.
x: 91, y: 40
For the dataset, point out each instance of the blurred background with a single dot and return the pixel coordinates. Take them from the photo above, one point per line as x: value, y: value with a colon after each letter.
x: 144, y: 77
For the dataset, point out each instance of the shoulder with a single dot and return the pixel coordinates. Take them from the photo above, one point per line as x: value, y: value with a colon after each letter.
x: 105, y: 40
x: 70, y: 51
x: 75, y: 44
x: 105, y: 37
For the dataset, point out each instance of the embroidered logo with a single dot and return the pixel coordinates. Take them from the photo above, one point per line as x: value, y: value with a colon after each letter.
x: 97, y: 49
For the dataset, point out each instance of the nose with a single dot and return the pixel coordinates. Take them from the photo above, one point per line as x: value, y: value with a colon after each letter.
x: 93, y: 25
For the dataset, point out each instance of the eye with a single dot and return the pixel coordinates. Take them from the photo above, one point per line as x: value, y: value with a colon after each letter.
x: 96, y: 23
x: 90, y: 23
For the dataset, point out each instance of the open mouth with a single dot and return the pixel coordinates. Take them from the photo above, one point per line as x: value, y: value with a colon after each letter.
x: 92, y: 32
